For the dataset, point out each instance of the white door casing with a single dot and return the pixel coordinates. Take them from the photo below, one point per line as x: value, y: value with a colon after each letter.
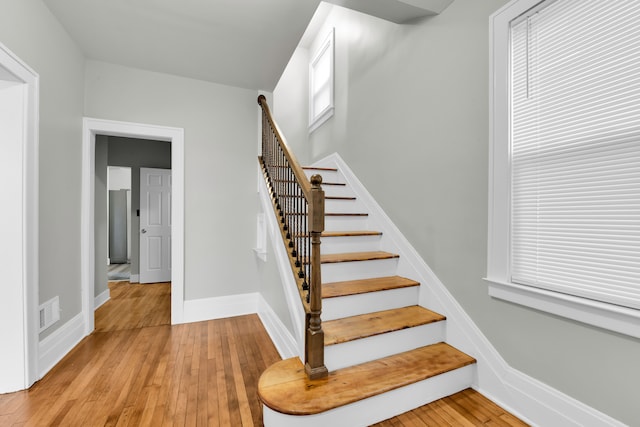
x: 18, y: 223
x: 155, y: 225
x: 91, y: 128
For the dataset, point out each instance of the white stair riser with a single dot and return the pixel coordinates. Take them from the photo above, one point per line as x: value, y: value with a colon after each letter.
x: 345, y: 223
x: 353, y: 305
x: 340, y: 271
x: 342, y: 244
x: 342, y: 205
x: 352, y: 353
x: 381, y: 407
x: 337, y: 190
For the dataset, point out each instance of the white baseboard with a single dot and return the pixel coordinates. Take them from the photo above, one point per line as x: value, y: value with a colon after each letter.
x: 520, y: 394
x: 102, y: 298
x: 220, y: 307
x: 279, y: 334
x: 545, y: 405
x: 134, y: 278
x: 54, y: 347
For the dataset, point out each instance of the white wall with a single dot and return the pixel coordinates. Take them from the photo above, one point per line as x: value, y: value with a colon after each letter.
x: 29, y: 29
x: 120, y: 177
x: 411, y: 119
x: 290, y: 103
x: 220, y: 165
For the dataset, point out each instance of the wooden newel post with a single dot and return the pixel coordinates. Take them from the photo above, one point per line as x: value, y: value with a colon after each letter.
x: 314, y: 339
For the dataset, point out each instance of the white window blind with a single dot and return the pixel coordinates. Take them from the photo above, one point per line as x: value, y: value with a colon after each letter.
x: 575, y: 149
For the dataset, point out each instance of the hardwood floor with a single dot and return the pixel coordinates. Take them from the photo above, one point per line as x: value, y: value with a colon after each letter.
x: 467, y: 408
x: 137, y: 370
x: 134, y: 306
x: 203, y: 374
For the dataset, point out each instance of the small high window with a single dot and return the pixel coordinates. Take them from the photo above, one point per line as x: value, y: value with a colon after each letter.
x: 321, y: 84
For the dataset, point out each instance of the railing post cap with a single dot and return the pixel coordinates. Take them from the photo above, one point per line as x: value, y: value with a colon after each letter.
x: 316, y: 179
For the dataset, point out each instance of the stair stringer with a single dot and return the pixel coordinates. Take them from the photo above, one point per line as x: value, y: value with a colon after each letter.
x: 526, y: 397
x: 283, y: 339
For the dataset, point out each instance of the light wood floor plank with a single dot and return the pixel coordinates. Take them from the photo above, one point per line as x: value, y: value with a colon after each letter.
x: 140, y: 371
x: 466, y: 408
x: 241, y: 391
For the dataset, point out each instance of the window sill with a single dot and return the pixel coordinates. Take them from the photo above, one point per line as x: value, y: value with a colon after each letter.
x: 607, y: 316
x: 321, y: 118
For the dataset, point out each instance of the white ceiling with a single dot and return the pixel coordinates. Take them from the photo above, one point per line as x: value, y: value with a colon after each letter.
x: 245, y: 43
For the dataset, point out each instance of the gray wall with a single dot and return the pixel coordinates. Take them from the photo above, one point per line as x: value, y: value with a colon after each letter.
x: 29, y: 29
x: 412, y: 121
x: 101, y: 216
x: 137, y: 153
x: 220, y: 124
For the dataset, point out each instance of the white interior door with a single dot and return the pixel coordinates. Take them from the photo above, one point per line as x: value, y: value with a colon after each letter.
x: 155, y: 225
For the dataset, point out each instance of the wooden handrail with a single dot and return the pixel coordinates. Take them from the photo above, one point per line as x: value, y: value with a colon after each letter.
x: 293, y: 161
x: 299, y: 202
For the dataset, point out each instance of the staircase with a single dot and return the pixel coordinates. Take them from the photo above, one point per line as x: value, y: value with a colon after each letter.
x: 385, y: 353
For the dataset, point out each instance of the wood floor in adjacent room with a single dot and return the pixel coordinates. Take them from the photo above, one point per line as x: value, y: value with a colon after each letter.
x: 137, y: 370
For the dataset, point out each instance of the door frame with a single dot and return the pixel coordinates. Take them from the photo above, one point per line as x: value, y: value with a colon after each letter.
x: 13, y: 69
x: 91, y: 128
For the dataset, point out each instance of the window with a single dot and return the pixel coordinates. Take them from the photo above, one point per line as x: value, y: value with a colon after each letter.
x: 564, y: 231
x: 321, y: 84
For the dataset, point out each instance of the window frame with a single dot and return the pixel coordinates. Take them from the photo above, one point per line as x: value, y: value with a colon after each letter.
x: 604, y: 315
x: 316, y: 119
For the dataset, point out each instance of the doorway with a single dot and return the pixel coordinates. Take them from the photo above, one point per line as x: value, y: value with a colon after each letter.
x: 18, y: 223
x: 92, y: 128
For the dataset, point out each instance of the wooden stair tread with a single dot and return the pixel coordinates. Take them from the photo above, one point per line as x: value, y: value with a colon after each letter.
x: 339, y: 198
x: 355, y: 287
x: 356, y: 256
x: 293, y: 196
x: 331, y: 214
x: 370, y: 324
x: 314, y: 168
x: 351, y: 233
x: 293, y: 180
x: 285, y: 388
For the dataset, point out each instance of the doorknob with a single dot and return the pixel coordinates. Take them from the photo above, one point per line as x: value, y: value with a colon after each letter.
x: 143, y: 231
